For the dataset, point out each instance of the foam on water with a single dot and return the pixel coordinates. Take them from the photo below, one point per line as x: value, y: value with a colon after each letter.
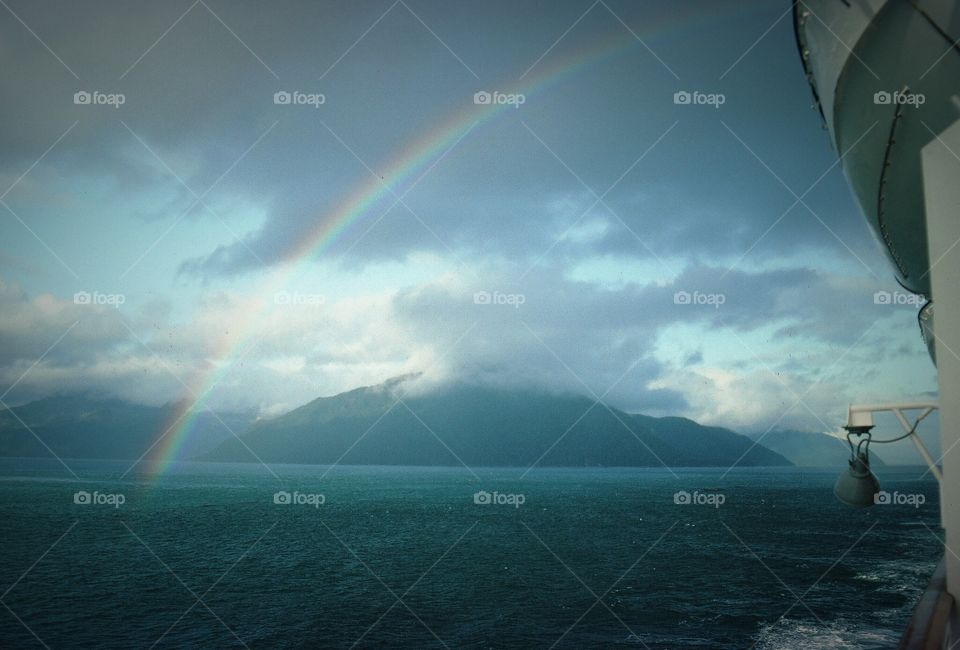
x: 842, y: 634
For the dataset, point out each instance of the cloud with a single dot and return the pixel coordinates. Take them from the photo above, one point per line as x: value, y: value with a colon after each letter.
x: 541, y: 204
x: 477, y: 323
x: 513, y: 185
x: 54, y: 345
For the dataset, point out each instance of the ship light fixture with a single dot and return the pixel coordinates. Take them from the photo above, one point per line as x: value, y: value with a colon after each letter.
x: 857, y: 485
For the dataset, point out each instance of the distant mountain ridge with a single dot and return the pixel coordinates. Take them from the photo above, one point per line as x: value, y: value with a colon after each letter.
x: 811, y: 449
x: 480, y: 426
x: 82, y: 426
x: 483, y: 426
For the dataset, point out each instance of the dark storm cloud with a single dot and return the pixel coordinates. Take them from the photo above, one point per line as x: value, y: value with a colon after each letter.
x: 199, y: 99
x: 577, y: 336
x: 597, y: 168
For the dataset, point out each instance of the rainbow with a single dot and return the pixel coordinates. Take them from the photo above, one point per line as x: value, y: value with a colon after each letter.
x: 357, y: 209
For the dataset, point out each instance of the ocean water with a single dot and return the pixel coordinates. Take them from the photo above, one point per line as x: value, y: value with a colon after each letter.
x: 374, y: 557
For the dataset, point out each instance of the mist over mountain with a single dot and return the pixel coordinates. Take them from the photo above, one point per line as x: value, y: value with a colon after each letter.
x: 483, y: 426
x: 811, y: 448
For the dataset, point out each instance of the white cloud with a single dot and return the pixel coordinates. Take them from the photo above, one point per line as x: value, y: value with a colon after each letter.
x: 629, y: 343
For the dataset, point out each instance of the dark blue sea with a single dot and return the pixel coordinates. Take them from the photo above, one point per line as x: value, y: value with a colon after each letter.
x: 230, y: 556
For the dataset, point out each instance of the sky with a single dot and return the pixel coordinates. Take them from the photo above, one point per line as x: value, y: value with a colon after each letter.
x: 249, y: 205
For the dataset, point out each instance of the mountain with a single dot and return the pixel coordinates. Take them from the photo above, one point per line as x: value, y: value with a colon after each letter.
x: 483, y: 426
x: 811, y: 449
x: 79, y: 426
